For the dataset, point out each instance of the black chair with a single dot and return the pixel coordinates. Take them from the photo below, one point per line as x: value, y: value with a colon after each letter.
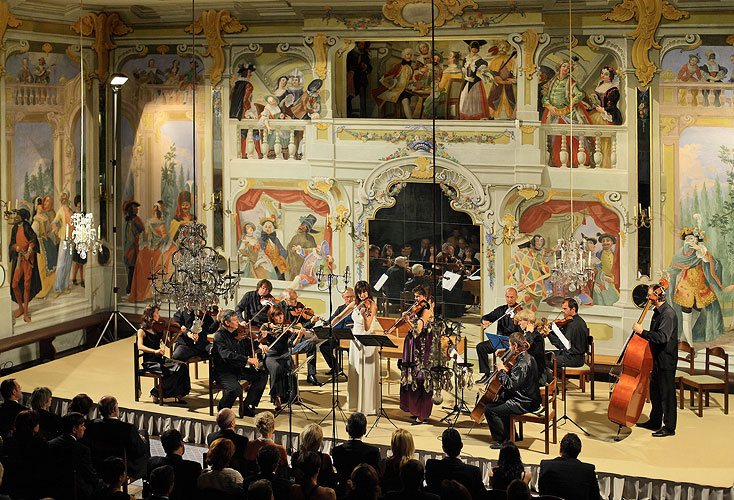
x: 138, y: 372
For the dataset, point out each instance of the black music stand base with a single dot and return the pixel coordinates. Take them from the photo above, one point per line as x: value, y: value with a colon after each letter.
x: 565, y: 418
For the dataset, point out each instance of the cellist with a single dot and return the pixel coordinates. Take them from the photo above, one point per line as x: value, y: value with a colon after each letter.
x: 663, y: 339
x: 520, y: 391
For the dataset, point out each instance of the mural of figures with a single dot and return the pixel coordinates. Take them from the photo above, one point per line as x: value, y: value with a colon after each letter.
x: 25, y: 278
x: 273, y: 248
x: 712, y: 72
x: 134, y: 228
x: 319, y: 260
x: 63, y: 227
x: 690, y: 72
x: 395, y: 86
x: 160, y: 70
x: 241, y: 97
x: 605, y: 290
x: 253, y: 261
x: 605, y: 99
x: 446, y: 90
x: 78, y: 262
x: 301, y: 243
x: 502, y: 94
x: 359, y: 68
x: 154, y: 254
x: 473, y: 103
x: 528, y: 270
x: 183, y: 215
x: 48, y: 243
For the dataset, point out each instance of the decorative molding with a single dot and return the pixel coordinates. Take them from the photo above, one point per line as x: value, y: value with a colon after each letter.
x: 102, y: 26
x: 423, y: 168
x: 528, y: 192
x: 238, y: 52
x: 347, y: 45
x: 528, y: 129
x: 530, y: 39
x: 409, y: 13
x: 7, y: 20
x: 123, y: 54
x: 648, y: 14
x: 323, y: 184
x: 615, y: 45
x: 362, y: 23
x: 668, y: 124
x: 424, y: 145
x: 16, y: 47
x: 212, y: 23
x: 690, y: 41
x: 320, y: 43
x: 413, y: 133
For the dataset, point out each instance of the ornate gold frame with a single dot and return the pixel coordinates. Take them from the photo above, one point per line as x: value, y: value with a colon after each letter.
x: 447, y: 10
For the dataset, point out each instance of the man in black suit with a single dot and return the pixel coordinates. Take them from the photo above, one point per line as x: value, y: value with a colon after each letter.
x: 254, y: 304
x: 109, y: 436
x: 396, y: 278
x: 451, y: 467
x: 226, y: 422
x: 10, y: 407
x: 69, y: 458
x: 342, y: 318
x: 504, y: 316
x: 375, y: 269
x: 354, y: 452
x: 577, y: 334
x: 268, y: 459
x: 423, y: 252
x: 412, y: 474
x: 663, y: 339
x: 186, y: 472
x: 193, y: 341
x: 161, y: 481
x: 566, y: 476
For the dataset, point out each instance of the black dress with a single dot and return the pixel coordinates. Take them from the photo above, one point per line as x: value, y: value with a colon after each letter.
x: 279, y: 364
x: 175, y: 378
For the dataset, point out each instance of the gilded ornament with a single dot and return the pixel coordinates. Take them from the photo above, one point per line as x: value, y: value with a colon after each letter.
x: 319, y: 48
x: 528, y: 193
x: 212, y: 23
x: 321, y: 125
x: 530, y: 44
x: 163, y: 49
x: 102, y: 26
x: 398, y: 10
x: 47, y: 48
x: 322, y: 186
x: 423, y: 169
x: 528, y: 129
x: 7, y: 19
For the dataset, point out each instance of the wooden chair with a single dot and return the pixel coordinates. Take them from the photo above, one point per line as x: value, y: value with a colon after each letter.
x: 687, y: 357
x: 546, y: 416
x: 582, y: 372
x: 214, y: 387
x: 707, y: 382
x: 142, y: 372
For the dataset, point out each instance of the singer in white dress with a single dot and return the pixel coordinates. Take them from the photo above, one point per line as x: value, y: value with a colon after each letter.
x: 364, y: 363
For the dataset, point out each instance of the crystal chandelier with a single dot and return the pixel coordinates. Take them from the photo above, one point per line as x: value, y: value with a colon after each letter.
x: 573, y: 270
x: 197, y: 281
x: 85, y: 238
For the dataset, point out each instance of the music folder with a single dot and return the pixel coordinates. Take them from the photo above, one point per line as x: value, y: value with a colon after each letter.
x: 375, y: 340
x: 324, y: 332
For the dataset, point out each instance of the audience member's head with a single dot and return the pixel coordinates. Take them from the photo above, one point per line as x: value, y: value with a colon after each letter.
x: 265, y: 424
x: 2, y: 473
x: 161, y: 480
x: 10, y: 389
x: 172, y: 442
x: 509, y: 461
x: 226, y: 418
x: 260, y: 490
x: 81, y: 403
x: 518, y: 490
x: 356, y: 425
x: 40, y: 398
x: 26, y: 423
x: 411, y: 474
x: 220, y: 453
x: 73, y: 423
x: 451, y: 442
x: 311, y: 437
x: 113, y: 472
x: 364, y: 482
x: 108, y: 407
x: 570, y: 445
x: 454, y: 490
x: 309, y: 464
x: 268, y: 458
x: 401, y: 444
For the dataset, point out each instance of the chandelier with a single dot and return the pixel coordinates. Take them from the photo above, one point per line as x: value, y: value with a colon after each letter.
x: 197, y: 280
x: 573, y: 270
x: 85, y: 238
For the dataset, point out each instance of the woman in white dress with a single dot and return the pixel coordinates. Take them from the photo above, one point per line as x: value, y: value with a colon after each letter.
x: 364, y: 363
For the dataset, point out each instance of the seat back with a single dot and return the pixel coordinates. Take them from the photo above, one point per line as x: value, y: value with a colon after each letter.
x: 688, y: 355
x: 720, y: 360
x: 589, y: 355
x: 550, y: 361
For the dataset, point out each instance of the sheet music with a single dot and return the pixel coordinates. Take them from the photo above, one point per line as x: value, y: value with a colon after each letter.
x: 380, y: 282
x: 561, y: 336
x: 453, y: 353
x: 450, y: 280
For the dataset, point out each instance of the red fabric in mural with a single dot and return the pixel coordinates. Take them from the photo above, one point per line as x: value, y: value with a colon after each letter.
x: 607, y: 220
x: 249, y: 199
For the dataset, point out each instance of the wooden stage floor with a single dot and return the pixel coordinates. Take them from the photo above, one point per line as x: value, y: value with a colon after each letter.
x: 700, y: 452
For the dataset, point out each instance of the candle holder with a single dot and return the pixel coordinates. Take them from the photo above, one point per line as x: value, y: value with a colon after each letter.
x: 85, y: 238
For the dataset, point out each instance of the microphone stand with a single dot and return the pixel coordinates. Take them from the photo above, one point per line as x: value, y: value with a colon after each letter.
x: 328, y: 281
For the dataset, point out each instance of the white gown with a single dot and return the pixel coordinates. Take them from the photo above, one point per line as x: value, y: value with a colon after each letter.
x: 363, y: 391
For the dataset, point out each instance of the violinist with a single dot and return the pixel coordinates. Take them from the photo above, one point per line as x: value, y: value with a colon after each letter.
x: 194, y: 342
x: 520, y: 391
x: 233, y: 360
x: 342, y: 318
x: 416, y: 399
x: 278, y: 361
x: 525, y: 320
x: 296, y: 312
x: 663, y: 339
x: 363, y: 393
x: 504, y: 317
x: 175, y: 379
x: 254, y: 304
x: 577, y: 333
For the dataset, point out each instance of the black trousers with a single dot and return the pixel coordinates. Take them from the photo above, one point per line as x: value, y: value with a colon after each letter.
x: 498, y: 417
x: 484, y: 351
x: 662, y: 396
x: 183, y: 352
x: 569, y: 360
x: 232, y: 388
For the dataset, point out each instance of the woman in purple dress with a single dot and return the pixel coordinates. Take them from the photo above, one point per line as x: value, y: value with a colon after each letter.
x: 414, y: 398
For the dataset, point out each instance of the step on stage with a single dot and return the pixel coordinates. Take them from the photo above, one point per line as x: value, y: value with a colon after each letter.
x: 696, y: 463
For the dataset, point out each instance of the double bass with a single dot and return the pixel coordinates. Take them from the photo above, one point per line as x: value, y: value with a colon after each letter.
x: 628, y: 395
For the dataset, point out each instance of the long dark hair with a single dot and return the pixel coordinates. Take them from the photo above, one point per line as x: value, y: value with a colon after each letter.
x: 147, y: 322
x: 363, y: 286
x: 509, y: 464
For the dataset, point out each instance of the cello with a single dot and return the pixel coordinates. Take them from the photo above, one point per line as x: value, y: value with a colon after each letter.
x: 494, y: 386
x: 628, y: 395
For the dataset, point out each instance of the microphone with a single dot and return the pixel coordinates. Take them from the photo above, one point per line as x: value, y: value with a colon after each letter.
x: 346, y: 275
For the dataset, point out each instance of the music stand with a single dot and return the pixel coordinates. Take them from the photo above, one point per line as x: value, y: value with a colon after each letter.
x: 335, y: 335
x: 498, y: 341
x: 564, y: 418
x: 380, y: 341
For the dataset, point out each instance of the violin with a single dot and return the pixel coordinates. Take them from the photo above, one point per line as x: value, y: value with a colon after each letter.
x: 268, y: 300
x: 366, y: 305
x: 302, y: 312
x: 211, y: 311
x: 545, y: 326
x: 170, y: 330
x: 412, y: 312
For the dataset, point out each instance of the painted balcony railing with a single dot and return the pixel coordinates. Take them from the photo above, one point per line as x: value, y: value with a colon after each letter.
x: 35, y: 94
x: 691, y: 95
x: 285, y: 140
x: 592, y: 146
x: 167, y: 94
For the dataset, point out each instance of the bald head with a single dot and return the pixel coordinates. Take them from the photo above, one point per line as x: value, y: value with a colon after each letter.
x: 108, y: 407
x: 511, y: 297
x: 226, y: 419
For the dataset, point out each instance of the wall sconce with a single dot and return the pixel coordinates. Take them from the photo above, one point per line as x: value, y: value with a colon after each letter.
x: 507, y: 232
x: 216, y: 203
x: 7, y: 210
x: 340, y: 219
x: 641, y: 219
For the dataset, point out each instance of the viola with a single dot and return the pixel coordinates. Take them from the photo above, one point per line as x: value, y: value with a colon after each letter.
x: 412, y: 312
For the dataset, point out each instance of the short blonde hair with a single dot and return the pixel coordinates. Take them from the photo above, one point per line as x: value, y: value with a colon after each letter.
x: 401, y: 444
x: 526, y: 315
x: 311, y: 437
x: 265, y: 423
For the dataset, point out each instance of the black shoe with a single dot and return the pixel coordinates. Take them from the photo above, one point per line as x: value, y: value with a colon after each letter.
x: 663, y: 433
x: 649, y: 425
x: 311, y: 379
x: 247, y: 411
x: 418, y: 422
x: 484, y: 379
x: 498, y: 445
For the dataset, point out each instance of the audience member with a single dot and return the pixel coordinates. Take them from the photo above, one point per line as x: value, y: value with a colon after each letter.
x: 309, y: 466
x: 566, y: 476
x: 161, y: 482
x: 354, y: 452
x: 49, y: 423
x: 403, y: 449
x: 226, y: 421
x: 81, y: 403
x: 218, y: 477
x: 396, y: 278
x: 2, y: 473
x: 518, y: 490
x: 72, y: 474
x: 363, y: 484
x: 509, y: 468
x: 268, y: 459
x: 452, y: 489
x: 25, y: 458
x: 451, y: 467
x: 185, y: 471
x: 109, y: 436
x: 113, y: 476
x: 310, y: 440
x: 265, y: 427
x: 10, y: 407
x: 412, y: 474
x: 260, y: 490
